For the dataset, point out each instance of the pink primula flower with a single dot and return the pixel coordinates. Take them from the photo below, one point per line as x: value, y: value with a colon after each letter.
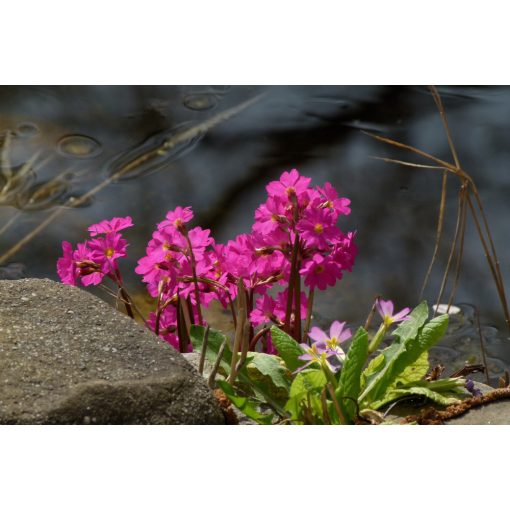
x: 105, y: 250
x: 290, y: 183
x: 66, y: 267
x: 337, y: 335
x: 110, y: 226
x: 177, y: 218
x: 333, y: 201
x: 264, y: 312
x: 317, y: 229
x: 385, y: 309
x: 321, y: 272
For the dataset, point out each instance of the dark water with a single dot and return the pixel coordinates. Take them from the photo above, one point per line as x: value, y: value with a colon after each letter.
x: 81, y: 135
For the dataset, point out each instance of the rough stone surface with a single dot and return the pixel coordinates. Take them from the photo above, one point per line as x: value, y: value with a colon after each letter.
x: 67, y: 357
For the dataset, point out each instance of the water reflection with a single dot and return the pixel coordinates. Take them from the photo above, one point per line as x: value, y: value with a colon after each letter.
x: 201, y: 102
x: 27, y: 130
x: 79, y: 146
x: 152, y: 155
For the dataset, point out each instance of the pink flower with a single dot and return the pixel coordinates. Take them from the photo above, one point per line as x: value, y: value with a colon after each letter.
x: 78, y: 264
x: 105, y: 250
x: 345, y: 251
x: 264, y: 311
x: 177, y: 218
x: 110, y: 226
x: 317, y: 228
x: 321, y: 272
x: 385, y: 309
x: 66, y: 268
x: 290, y: 184
x: 333, y: 202
x: 167, y: 325
x: 281, y: 305
x: 270, y: 217
x: 332, y: 342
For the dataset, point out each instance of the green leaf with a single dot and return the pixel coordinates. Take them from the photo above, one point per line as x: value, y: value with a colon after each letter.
x: 414, y: 372
x: 410, y: 327
x: 440, y: 398
x: 245, y: 405
x: 403, y: 353
x: 407, y: 329
x: 350, y: 377
x: 306, y: 385
x: 270, y: 366
x: 373, y: 367
x: 309, y: 380
x: 267, y: 373
x: 288, y: 348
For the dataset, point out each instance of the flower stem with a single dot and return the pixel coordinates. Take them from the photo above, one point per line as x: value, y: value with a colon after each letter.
x: 297, y: 304
x: 195, y: 280
x: 290, y: 289
x: 378, y: 337
x: 309, y: 311
x: 258, y: 336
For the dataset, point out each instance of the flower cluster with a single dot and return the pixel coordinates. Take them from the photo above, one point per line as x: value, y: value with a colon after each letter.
x: 294, y: 242
x: 96, y: 258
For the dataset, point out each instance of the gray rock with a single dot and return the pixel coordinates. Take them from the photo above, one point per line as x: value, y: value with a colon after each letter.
x: 67, y: 357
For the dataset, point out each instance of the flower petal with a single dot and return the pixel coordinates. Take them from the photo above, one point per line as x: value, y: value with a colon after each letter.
x: 336, y: 329
x: 317, y: 335
x: 402, y: 315
x: 345, y: 335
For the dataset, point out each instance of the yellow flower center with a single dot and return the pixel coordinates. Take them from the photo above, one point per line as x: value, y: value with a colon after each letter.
x: 319, y: 268
x: 109, y: 252
x: 318, y: 228
x: 290, y: 191
x: 332, y: 342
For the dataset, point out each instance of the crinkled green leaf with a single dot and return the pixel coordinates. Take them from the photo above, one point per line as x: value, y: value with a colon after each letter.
x: 271, y: 366
x: 309, y: 380
x: 306, y: 385
x: 350, y: 377
x: 373, y: 367
x: 441, y: 398
x: 288, y: 349
x: 413, y: 372
x: 269, y: 374
x: 401, y: 354
x: 245, y: 405
x: 409, y: 328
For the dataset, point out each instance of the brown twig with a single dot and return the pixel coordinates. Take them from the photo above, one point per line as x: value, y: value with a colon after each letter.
x: 432, y: 416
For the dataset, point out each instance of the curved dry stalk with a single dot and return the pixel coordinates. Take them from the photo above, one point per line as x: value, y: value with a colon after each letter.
x: 460, y: 255
x: 468, y: 187
x: 460, y: 209
x: 439, y: 233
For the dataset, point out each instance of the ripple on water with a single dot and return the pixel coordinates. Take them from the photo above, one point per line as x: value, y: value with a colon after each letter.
x: 201, y: 101
x: 27, y: 130
x: 79, y: 146
x: 43, y: 195
x: 154, y: 154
